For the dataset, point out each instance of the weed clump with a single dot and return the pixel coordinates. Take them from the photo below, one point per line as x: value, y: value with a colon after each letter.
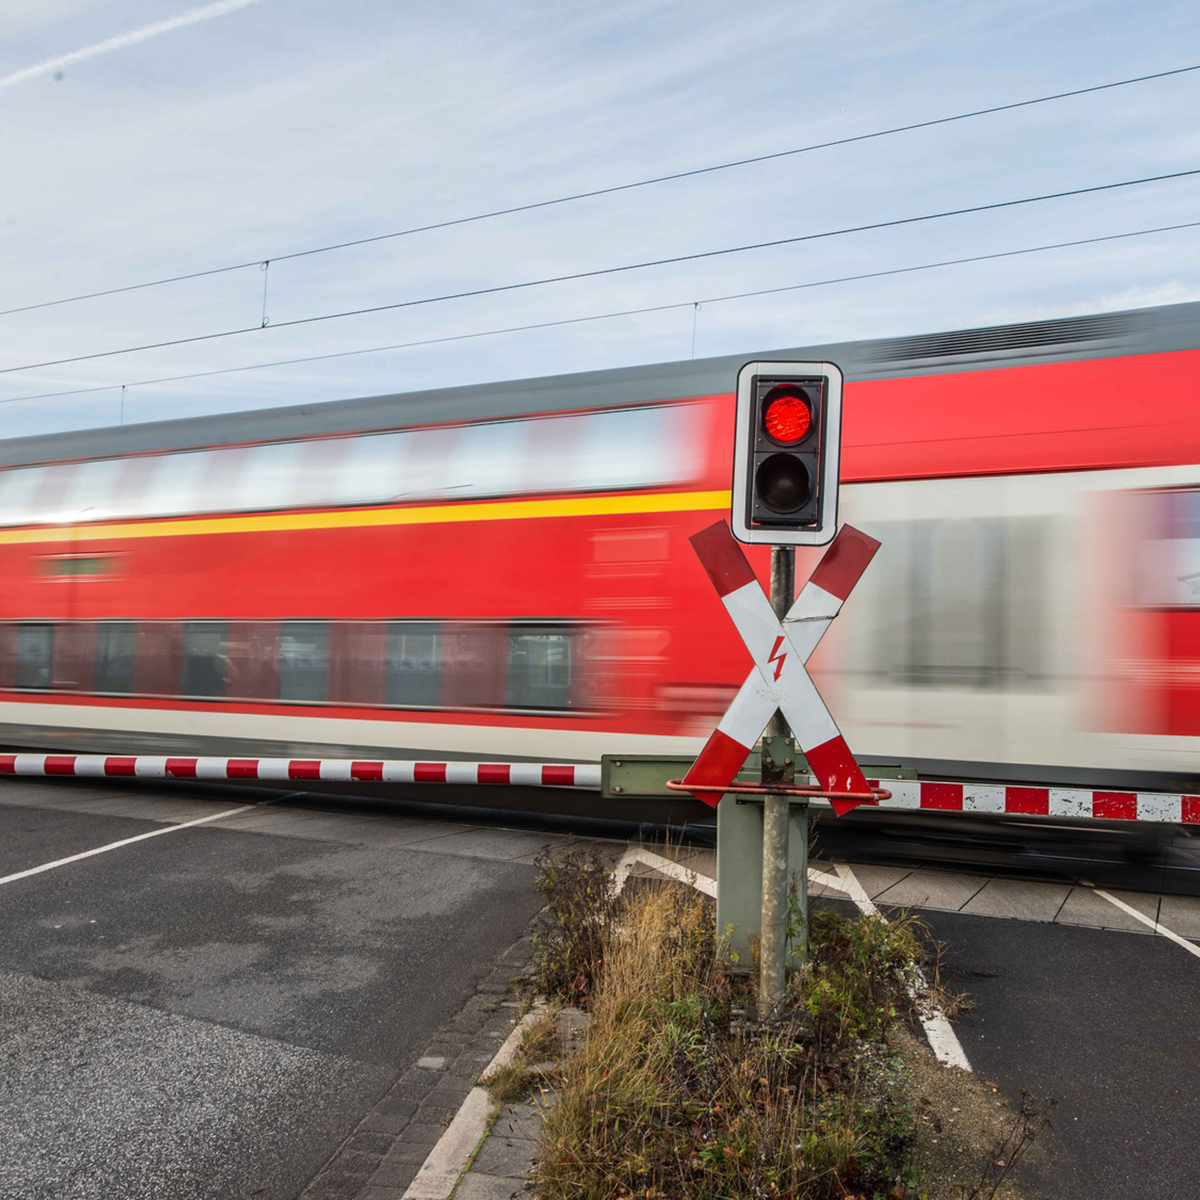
x: 676, y: 1094
x: 570, y: 933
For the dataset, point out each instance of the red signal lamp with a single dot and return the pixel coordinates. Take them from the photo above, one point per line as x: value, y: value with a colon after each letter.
x: 787, y: 415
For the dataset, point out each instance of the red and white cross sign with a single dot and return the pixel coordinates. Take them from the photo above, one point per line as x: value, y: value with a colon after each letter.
x: 780, y: 680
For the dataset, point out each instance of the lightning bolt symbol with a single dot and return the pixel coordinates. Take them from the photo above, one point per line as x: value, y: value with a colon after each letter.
x: 775, y: 657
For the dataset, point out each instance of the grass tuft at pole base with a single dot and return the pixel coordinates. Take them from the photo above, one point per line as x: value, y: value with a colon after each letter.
x: 677, y: 1092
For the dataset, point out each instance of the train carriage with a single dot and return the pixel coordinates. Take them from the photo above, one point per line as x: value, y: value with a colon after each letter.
x: 503, y: 572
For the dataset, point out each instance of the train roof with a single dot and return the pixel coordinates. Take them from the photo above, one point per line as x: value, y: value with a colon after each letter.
x: 1103, y: 335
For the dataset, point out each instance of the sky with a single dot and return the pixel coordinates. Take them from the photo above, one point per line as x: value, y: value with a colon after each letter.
x: 141, y: 139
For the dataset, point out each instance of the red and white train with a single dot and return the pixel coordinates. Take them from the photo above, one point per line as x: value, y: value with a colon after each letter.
x: 503, y: 571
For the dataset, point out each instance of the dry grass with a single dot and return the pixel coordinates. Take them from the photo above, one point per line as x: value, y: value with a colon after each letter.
x: 679, y: 1094
x: 672, y: 1096
x: 539, y: 1046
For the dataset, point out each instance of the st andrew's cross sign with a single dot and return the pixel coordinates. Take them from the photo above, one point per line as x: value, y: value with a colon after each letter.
x: 780, y: 680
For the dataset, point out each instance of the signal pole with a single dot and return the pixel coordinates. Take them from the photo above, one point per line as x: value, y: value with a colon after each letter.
x: 772, y: 950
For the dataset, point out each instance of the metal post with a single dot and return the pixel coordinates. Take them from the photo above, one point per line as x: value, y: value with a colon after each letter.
x: 773, y: 929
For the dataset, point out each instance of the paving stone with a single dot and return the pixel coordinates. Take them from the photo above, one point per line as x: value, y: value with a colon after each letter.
x: 876, y: 879
x: 946, y: 891
x: 501, y: 1155
x: 490, y: 1187
x: 1181, y: 915
x: 370, y: 1143
x: 424, y: 1133
x: 395, y: 1174
x: 331, y: 1186
x: 381, y: 1122
x: 1018, y: 900
x: 397, y: 1106
x: 1084, y: 907
x: 519, y: 1121
x: 408, y: 1154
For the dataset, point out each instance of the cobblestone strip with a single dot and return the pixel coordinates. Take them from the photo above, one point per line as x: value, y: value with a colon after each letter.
x: 379, y: 1159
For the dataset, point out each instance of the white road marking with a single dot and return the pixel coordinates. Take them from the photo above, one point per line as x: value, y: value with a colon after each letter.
x: 824, y: 879
x: 635, y: 855
x: 943, y: 1041
x: 141, y: 837
x: 1158, y: 928
x: 702, y: 883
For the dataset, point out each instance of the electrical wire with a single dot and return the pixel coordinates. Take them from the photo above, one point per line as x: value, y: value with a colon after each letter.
x: 602, y: 271
x: 604, y: 191
x: 626, y: 312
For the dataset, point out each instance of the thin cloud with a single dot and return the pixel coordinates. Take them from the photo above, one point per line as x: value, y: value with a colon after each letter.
x: 192, y: 17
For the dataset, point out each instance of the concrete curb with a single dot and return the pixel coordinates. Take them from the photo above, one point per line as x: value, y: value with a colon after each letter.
x: 441, y: 1171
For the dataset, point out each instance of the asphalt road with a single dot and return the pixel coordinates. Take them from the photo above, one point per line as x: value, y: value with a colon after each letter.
x: 207, y: 1013
x: 1100, y: 1021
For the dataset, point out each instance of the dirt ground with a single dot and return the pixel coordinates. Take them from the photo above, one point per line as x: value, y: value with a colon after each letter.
x: 966, y: 1130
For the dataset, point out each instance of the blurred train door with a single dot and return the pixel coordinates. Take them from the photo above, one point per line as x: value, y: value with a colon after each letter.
x: 950, y: 653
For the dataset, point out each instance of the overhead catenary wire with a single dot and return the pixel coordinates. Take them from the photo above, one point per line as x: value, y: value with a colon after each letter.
x: 626, y: 312
x: 612, y: 189
x: 599, y: 272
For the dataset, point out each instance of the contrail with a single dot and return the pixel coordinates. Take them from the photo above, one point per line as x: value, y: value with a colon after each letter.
x: 191, y: 17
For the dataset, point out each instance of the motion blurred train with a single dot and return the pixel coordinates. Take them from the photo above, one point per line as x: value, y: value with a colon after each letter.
x: 503, y: 571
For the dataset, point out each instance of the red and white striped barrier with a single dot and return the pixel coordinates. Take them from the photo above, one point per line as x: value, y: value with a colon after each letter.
x: 1010, y: 800
x: 339, y: 770
x: 907, y: 794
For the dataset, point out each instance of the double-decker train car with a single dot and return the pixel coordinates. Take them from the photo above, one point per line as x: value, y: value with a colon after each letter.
x: 503, y: 571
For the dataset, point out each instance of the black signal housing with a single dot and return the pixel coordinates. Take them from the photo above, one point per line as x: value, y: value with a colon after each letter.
x: 786, y: 453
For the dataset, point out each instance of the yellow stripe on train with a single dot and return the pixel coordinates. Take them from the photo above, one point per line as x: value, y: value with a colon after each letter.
x: 430, y: 514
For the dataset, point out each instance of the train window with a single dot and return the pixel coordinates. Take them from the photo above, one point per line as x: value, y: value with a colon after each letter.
x: 176, y: 487
x: 8, y: 653
x: 633, y: 447
x: 413, y: 678
x: 267, y: 477
x: 76, y: 566
x: 74, y: 662
x: 250, y: 654
x: 35, y: 642
x: 204, y: 659
x: 303, y: 660
x: 428, y: 467
x: 473, y: 665
x: 18, y: 494
x: 370, y: 469
x: 158, y: 658
x: 488, y: 460
x: 357, y: 662
x: 115, y: 642
x: 539, y: 668
x: 961, y: 603
x: 87, y: 492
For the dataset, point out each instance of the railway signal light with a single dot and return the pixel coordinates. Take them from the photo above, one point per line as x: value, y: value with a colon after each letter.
x: 787, y: 444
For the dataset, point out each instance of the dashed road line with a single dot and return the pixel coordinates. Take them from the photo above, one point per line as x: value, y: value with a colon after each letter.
x: 141, y: 837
